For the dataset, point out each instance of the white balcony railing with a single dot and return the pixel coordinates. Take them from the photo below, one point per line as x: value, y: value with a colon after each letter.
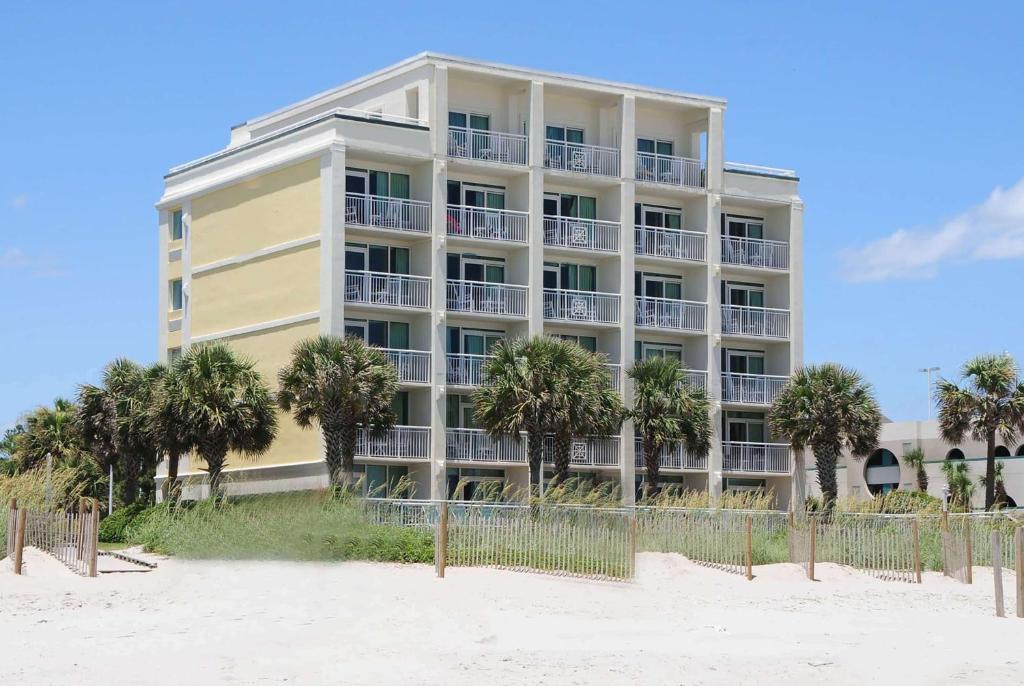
x: 489, y: 146
x: 586, y: 452
x: 670, y: 243
x: 487, y: 298
x: 464, y: 369
x: 696, y: 378
x: 763, y: 322
x: 392, y: 290
x: 677, y: 458
x: 413, y: 366
x: 481, y: 222
x: 752, y: 389
x: 582, y: 234
x: 755, y: 252
x: 581, y: 158
x: 474, y: 445
x: 401, y: 442
x: 581, y: 306
x: 387, y: 213
x: 668, y: 169
x: 761, y: 458
x: 666, y: 313
x: 615, y: 375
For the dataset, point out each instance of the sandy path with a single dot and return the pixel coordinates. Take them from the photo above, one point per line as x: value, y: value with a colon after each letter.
x: 360, y: 623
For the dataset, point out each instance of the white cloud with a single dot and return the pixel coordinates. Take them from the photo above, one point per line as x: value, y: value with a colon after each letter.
x: 992, y: 230
x: 45, y: 266
x: 19, y: 201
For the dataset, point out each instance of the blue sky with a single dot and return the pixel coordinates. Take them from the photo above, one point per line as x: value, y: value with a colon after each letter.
x: 902, y: 119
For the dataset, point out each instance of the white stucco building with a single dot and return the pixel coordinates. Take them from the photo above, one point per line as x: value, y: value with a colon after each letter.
x: 441, y: 204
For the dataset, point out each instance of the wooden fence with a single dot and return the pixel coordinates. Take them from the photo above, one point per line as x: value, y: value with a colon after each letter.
x: 70, y: 537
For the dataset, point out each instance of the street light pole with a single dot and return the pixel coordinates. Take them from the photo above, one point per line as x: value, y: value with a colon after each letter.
x: 928, y: 371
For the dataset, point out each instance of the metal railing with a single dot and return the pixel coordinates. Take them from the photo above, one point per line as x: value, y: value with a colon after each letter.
x: 581, y: 306
x: 762, y: 458
x: 764, y: 322
x: 400, y: 442
x: 482, y: 222
x: 474, y: 445
x: 755, y: 252
x: 381, y: 288
x: 487, y: 298
x: 752, y: 389
x: 462, y: 369
x: 489, y: 146
x: 586, y: 452
x: 677, y: 458
x: 666, y: 313
x: 581, y: 158
x: 671, y: 243
x: 413, y: 366
x: 582, y: 234
x: 696, y: 378
x: 669, y: 169
x: 387, y: 213
x: 615, y: 375
x: 759, y: 170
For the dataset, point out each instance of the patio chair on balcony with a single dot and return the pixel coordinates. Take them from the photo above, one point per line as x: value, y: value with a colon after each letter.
x: 353, y: 292
x: 351, y: 215
x: 549, y: 309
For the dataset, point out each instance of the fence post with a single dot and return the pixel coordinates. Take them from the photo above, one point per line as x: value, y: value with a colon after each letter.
x: 442, y: 541
x: 969, y: 544
x: 790, y: 526
x: 12, y: 527
x: 94, y: 537
x: 19, y: 540
x: 812, y: 553
x: 632, y: 535
x: 997, y: 572
x: 1019, y: 555
x: 750, y: 547
x: 916, y: 532
x: 80, y: 548
x: 945, y: 543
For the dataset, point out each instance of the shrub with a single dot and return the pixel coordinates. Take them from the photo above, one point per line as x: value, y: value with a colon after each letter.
x: 112, y: 528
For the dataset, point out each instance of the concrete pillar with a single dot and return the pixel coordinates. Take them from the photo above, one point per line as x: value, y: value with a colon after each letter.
x: 438, y: 342
x: 186, y: 275
x: 714, y: 323
x: 163, y: 239
x: 332, y: 240
x: 796, y: 285
x: 627, y: 467
x: 536, y: 209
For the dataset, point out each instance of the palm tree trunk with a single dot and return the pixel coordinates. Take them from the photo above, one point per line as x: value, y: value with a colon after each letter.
x: 214, y: 451
x: 172, y: 476
x: 826, y: 458
x: 922, y: 479
x: 535, y: 453
x: 131, y: 480
x: 341, y: 451
x: 563, y: 447
x: 990, y: 472
x: 652, y: 461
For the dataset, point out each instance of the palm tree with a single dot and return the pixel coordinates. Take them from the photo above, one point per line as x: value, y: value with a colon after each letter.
x: 958, y: 481
x: 586, y: 403
x: 169, y: 432
x: 990, y: 403
x: 50, y: 431
x: 114, y: 421
x: 828, y: 408
x: 915, y: 458
x: 521, y: 393
x: 667, y: 411
x: 342, y: 385
x: 225, y: 404
x: 1000, y: 488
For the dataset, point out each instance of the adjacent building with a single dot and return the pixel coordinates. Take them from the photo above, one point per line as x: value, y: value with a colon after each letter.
x: 442, y: 204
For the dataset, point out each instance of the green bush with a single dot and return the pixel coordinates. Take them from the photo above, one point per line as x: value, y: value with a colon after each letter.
x: 112, y: 528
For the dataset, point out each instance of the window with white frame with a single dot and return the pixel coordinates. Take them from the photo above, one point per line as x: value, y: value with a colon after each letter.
x: 177, y: 224
x: 177, y: 297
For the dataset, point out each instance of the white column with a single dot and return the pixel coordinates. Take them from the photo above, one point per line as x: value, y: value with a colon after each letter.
x: 536, y: 209
x: 438, y: 338
x: 332, y: 240
x: 186, y: 275
x: 627, y: 196
x: 163, y: 238
x: 796, y: 331
x: 714, y: 210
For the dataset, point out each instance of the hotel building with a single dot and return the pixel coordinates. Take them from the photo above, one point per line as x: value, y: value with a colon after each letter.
x: 442, y: 204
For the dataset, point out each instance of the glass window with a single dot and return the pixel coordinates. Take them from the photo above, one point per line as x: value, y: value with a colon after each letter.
x: 177, y: 225
x: 400, y: 406
x: 173, y: 355
x: 554, y: 133
x: 457, y: 119
x: 480, y: 122
x: 398, y: 335
x: 177, y: 299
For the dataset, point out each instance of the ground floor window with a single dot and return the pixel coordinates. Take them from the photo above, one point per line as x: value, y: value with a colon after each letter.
x: 465, y: 483
x: 733, y: 484
x: 382, y: 481
x: 882, y: 472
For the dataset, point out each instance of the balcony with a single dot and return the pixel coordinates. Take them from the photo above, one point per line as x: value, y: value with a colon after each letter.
x: 755, y: 252
x: 464, y: 370
x: 751, y: 389
x: 757, y: 458
x: 614, y: 375
x: 581, y: 306
x: 487, y: 146
x: 474, y: 445
x: 495, y: 299
x: 581, y: 158
x: 696, y: 378
x: 399, y: 443
x: 381, y: 289
x: 413, y: 366
x: 672, y: 244
x: 677, y: 458
x: 761, y: 322
x: 669, y: 170
x: 586, y: 452
x: 675, y: 315
x: 581, y: 234
x: 506, y: 226
x: 394, y: 214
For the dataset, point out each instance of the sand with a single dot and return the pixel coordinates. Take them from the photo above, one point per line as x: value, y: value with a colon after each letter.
x: 362, y: 623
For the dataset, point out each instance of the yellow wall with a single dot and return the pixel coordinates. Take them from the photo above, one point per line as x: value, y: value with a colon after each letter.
x: 257, y: 213
x: 273, y: 287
